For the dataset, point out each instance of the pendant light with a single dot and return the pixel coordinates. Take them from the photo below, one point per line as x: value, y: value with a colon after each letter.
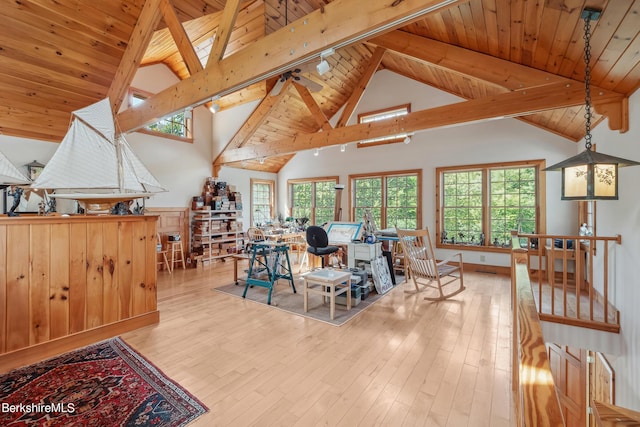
x: 590, y: 175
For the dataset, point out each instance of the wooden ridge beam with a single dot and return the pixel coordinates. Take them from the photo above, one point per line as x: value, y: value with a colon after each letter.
x: 358, y: 91
x: 313, y: 107
x: 180, y: 37
x: 223, y: 33
x: 338, y: 24
x: 510, y: 104
x: 140, y: 38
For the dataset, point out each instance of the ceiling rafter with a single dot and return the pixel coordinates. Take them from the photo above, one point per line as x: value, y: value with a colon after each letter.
x: 505, y: 105
x: 356, y: 95
x: 180, y: 37
x: 340, y: 22
x: 502, y: 74
x: 259, y: 115
x: 140, y: 38
x: 313, y: 107
x: 223, y: 33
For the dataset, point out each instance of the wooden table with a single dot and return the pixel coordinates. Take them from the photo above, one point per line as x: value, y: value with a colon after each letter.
x: 328, y: 284
x: 236, y: 258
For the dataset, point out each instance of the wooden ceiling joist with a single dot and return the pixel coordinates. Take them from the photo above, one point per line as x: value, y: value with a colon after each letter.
x: 356, y: 95
x: 498, y: 73
x: 259, y: 115
x: 180, y: 37
x: 510, y: 104
x: 313, y: 107
x: 340, y: 22
x: 223, y: 34
x: 142, y: 32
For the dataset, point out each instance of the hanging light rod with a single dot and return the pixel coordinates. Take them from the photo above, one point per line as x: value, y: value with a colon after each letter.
x: 590, y: 175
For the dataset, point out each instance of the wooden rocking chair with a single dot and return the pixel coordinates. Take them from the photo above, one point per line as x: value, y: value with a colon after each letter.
x: 425, y: 271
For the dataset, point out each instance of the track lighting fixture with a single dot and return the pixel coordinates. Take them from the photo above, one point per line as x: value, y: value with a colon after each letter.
x: 343, y: 148
x: 188, y: 113
x: 317, y: 152
x: 323, y: 67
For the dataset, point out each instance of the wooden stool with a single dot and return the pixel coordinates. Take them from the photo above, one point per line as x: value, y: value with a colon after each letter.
x: 162, y: 261
x: 176, y: 249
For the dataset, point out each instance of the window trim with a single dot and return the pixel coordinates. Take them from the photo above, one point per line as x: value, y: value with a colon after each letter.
x: 188, y: 125
x: 290, y: 182
x: 541, y: 197
x: 383, y: 215
x: 272, y: 190
x: 396, y: 140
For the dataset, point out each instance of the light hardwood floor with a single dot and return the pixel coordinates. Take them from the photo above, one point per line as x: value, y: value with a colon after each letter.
x: 402, y: 362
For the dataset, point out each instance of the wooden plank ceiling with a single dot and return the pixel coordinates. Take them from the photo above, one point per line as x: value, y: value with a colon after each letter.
x: 507, y: 58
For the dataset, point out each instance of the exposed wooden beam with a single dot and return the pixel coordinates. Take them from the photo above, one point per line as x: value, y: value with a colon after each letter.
x: 313, y: 107
x: 257, y: 118
x: 500, y: 73
x: 510, y: 104
x: 358, y: 91
x: 340, y: 23
x: 223, y: 33
x: 140, y: 37
x: 180, y: 37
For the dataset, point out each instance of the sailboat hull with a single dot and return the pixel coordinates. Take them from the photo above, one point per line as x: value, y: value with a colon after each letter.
x: 100, y: 203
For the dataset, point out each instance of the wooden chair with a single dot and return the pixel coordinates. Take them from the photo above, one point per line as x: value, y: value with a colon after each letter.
x: 425, y: 271
x: 163, y: 261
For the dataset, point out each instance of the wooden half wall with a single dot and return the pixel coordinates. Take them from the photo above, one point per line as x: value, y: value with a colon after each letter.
x: 62, y: 277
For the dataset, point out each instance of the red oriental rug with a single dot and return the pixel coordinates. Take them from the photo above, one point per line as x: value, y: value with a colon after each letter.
x: 106, y: 384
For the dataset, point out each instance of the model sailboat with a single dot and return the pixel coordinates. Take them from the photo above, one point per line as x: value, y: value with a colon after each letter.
x: 94, y: 165
x: 9, y: 174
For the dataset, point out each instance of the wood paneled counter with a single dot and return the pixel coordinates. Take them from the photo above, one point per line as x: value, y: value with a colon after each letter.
x: 69, y: 281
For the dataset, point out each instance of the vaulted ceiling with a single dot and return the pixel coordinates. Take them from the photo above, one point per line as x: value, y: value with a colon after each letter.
x: 506, y: 58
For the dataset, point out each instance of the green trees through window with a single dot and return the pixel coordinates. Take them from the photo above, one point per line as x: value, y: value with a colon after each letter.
x: 482, y: 204
x: 313, y: 198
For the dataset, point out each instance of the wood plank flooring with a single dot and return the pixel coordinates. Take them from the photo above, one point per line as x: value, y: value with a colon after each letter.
x: 402, y: 362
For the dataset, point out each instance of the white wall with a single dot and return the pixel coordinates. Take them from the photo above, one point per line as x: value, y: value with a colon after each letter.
x: 493, y: 141
x: 623, y: 217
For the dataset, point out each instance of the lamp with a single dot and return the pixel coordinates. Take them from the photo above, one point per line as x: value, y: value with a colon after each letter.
x: 590, y: 175
x: 33, y: 169
x: 188, y: 113
x: 316, y: 152
x: 343, y: 148
x: 407, y: 139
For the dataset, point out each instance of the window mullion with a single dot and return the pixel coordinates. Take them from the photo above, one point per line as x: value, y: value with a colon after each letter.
x: 486, y: 206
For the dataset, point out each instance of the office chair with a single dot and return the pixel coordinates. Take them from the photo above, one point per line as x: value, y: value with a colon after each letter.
x: 318, y: 243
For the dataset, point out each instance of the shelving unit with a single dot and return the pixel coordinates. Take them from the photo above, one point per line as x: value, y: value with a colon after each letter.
x: 216, y: 222
x: 217, y: 233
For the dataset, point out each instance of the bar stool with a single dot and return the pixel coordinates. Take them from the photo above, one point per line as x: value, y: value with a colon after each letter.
x: 162, y: 251
x: 175, y: 246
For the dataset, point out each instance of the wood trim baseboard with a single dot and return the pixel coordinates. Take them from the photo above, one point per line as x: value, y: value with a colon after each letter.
x: 35, y: 353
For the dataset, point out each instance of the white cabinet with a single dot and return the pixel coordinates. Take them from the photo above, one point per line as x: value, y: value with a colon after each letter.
x: 362, y: 252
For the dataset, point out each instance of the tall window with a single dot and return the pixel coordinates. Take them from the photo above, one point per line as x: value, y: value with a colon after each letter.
x: 481, y: 204
x: 394, y: 198
x: 262, y: 201
x: 177, y: 126
x: 379, y: 115
x: 313, y: 198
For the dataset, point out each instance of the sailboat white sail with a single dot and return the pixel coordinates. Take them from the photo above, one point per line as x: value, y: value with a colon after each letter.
x: 9, y: 174
x: 94, y: 165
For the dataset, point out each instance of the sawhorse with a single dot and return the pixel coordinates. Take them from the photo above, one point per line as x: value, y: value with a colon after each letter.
x: 269, y: 263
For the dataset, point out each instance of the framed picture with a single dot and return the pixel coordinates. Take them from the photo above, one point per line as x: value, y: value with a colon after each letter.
x: 381, y: 275
x: 342, y: 233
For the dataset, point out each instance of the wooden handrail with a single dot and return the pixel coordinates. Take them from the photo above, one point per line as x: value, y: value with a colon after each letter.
x: 536, y: 399
x: 580, y: 251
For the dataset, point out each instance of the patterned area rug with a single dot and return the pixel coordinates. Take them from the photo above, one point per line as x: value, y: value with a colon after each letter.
x: 106, y: 384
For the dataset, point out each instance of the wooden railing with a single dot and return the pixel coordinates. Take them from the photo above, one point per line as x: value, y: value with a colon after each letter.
x: 536, y: 400
x: 572, y: 297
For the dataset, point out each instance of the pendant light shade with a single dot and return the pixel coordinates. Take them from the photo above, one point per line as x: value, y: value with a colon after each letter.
x: 590, y: 175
